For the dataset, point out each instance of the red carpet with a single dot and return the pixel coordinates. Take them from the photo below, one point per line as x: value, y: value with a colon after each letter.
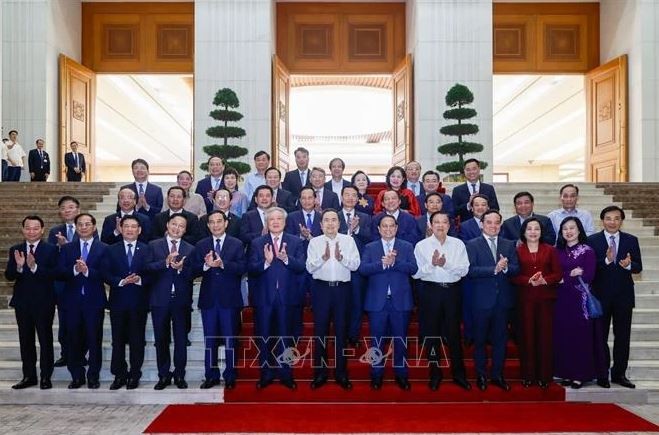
x: 370, y: 418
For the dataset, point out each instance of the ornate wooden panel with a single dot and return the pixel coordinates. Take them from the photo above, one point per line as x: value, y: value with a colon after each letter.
x: 138, y: 37
x: 281, y: 86
x: 341, y: 38
x: 403, y: 104
x: 545, y: 37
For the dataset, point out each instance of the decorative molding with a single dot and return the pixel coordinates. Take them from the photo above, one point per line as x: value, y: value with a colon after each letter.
x: 120, y: 41
x: 78, y: 110
x: 314, y: 41
x: 175, y: 41
x: 562, y: 42
x: 367, y: 42
x: 510, y: 41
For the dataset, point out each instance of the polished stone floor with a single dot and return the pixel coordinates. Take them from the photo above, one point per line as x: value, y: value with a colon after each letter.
x: 123, y: 419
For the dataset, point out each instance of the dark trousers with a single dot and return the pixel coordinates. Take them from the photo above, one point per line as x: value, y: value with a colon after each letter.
x: 357, y: 294
x: 490, y: 323
x: 14, y: 173
x: 220, y: 323
x: 621, y: 316
x: 29, y: 320
x: 394, y: 323
x: 439, y: 309
x: 165, y: 319
x: 5, y: 165
x: 535, y: 333
x: 128, y: 327
x: 72, y: 176
x: 273, y: 335
x: 39, y: 175
x: 84, y: 328
x: 330, y: 304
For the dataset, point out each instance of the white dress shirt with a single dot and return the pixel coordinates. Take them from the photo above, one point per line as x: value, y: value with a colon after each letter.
x: 253, y: 181
x: 332, y: 269
x: 584, y: 216
x: 337, y: 186
x: 89, y: 250
x: 455, y: 252
x: 414, y: 186
x: 134, y: 251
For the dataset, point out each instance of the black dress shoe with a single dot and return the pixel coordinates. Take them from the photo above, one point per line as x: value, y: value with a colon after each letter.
x: 623, y: 382
x: 262, y: 383
x: 376, y: 382
x: 93, y: 384
x: 180, y: 383
x: 209, y: 383
x: 45, y: 384
x: 118, y: 383
x: 61, y: 362
x: 434, y: 382
x: 318, y: 381
x: 566, y: 382
x: 76, y: 383
x: 481, y: 383
x: 604, y: 383
x: 230, y: 385
x: 25, y: 383
x: 526, y: 383
x: 544, y: 385
x: 575, y: 385
x: 163, y: 382
x: 462, y: 383
x: 132, y: 384
x: 403, y: 383
x: 501, y: 383
x: 344, y: 383
x: 289, y: 383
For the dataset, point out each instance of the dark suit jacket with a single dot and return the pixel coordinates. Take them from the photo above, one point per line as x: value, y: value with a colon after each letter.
x: 115, y: 268
x: 330, y: 200
x: 263, y: 282
x: 154, y: 198
x: 191, y: 229
x: 461, y: 195
x: 61, y: 228
x: 110, y: 223
x: 33, y: 289
x: 251, y: 226
x: 614, y: 284
x: 408, y: 229
x: 70, y: 164
x: 284, y: 199
x: 220, y: 286
x: 469, y: 230
x: 94, y: 297
x: 396, y: 277
x: 422, y: 225
x: 203, y: 187
x: 162, y: 277
x: 292, y: 182
x: 364, y: 236
x: 512, y: 227
x: 35, y: 165
x: 447, y: 203
x: 297, y: 218
x: 233, y: 229
x: 490, y: 290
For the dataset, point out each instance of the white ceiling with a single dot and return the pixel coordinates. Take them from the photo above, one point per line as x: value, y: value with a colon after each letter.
x: 148, y: 116
x: 539, y: 120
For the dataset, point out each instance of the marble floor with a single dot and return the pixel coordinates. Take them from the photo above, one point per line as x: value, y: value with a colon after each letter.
x: 123, y: 419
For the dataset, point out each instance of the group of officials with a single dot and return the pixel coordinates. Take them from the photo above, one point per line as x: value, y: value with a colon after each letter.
x: 326, y: 244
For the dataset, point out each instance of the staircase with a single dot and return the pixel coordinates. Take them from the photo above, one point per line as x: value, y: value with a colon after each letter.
x: 100, y: 199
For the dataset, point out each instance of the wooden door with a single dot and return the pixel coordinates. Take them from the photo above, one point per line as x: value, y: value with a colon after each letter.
x: 606, y: 118
x: 77, y: 96
x: 403, y: 151
x: 281, y: 89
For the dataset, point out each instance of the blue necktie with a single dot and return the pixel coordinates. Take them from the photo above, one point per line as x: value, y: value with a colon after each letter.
x: 129, y: 255
x: 309, y: 222
x: 141, y: 192
x: 473, y: 187
x: 84, y: 254
x: 218, y: 247
x: 69, y: 232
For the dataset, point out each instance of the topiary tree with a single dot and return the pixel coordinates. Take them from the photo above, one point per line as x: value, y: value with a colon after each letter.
x: 457, y: 97
x: 226, y: 100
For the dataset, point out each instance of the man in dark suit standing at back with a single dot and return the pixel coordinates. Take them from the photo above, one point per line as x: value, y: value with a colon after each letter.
x: 149, y: 195
x: 111, y: 232
x: 39, y: 162
x: 296, y: 179
x: 618, y: 257
x: 325, y: 198
x: 523, y: 202
x: 124, y: 269
x: 75, y: 164
x: 463, y: 193
x: 492, y: 262
x: 32, y: 264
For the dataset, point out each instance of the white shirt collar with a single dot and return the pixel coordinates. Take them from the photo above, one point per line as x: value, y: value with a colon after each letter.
x: 34, y: 245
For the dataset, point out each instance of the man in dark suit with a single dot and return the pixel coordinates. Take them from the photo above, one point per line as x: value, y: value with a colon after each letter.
x: 463, y: 193
x: 32, y: 264
x: 407, y: 227
x: 111, y: 232
x: 170, y: 299
x: 252, y: 223
x: 433, y: 203
x: 430, y: 183
x: 618, y: 257
x: 124, y: 268
x: 175, y: 201
x: 80, y: 265
x: 337, y: 183
x: 222, y: 201
x: 39, y: 162
x: 512, y: 226
x: 149, y: 195
x: 74, y: 163
x: 358, y: 226
x: 276, y: 260
x: 473, y: 227
x: 280, y: 197
x: 388, y: 263
x: 325, y: 198
x: 492, y: 262
x: 220, y: 261
x: 207, y: 186
x: 296, y: 179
